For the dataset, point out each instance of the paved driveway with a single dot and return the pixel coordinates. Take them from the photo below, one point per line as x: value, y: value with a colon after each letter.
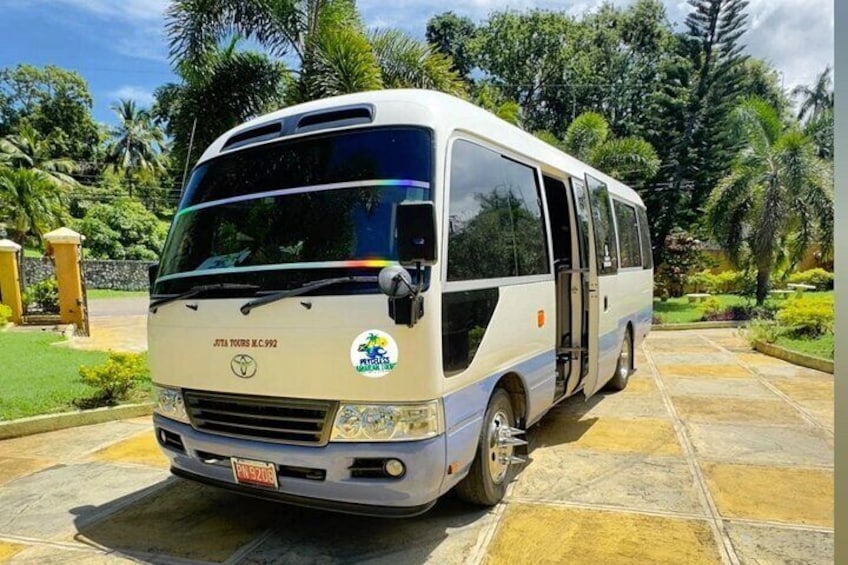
x: 714, y: 454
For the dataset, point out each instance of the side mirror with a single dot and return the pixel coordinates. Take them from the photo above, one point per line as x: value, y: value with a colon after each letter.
x: 395, y: 282
x: 152, y: 273
x: 416, y: 233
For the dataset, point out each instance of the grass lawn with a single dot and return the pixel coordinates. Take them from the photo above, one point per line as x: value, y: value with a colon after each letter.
x: 33, y: 252
x: 681, y: 311
x: 819, y: 347
x: 100, y: 293
x: 39, y: 378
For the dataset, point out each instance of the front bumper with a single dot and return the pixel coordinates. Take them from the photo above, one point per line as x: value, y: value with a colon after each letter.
x: 410, y: 495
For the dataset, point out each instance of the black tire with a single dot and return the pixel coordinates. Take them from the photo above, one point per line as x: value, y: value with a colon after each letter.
x: 479, y: 486
x: 624, y: 366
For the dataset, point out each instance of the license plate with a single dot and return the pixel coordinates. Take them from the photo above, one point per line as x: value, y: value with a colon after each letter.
x: 256, y: 473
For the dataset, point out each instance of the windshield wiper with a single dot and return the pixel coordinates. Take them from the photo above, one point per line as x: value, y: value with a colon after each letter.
x: 308, y: 287
x: 199, y: 289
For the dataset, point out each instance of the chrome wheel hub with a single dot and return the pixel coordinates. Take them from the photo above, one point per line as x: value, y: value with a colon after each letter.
x: 501, y: 444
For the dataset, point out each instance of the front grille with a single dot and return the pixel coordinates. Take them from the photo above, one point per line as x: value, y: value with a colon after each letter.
x: 279, y: 420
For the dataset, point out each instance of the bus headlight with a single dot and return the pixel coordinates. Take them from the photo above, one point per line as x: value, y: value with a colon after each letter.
x: 168, y: 402
x: 388, y: 422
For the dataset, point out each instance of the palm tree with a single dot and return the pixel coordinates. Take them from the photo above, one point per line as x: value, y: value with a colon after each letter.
x: 225, y: 88
x: 137, y: 143
x: 26, y: 149
x: 31, y: 201
x: 817, y: 99
x: 778, y: 194
x: 630, y: 159
x: 325, y: 37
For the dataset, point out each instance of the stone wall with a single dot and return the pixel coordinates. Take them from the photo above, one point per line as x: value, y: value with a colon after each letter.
x: 115, y: 275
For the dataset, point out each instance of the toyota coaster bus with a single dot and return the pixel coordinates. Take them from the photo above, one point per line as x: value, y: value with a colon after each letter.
x: 364, y: 301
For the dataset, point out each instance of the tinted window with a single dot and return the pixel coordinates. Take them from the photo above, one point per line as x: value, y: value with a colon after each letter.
x: 630, y: 246
x: 606, y: 251
x: 496, y: 227
x: 644, y: 233
x: 380, y: 153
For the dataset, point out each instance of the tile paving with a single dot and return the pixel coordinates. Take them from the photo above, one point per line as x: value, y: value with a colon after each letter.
x: 713, y: 454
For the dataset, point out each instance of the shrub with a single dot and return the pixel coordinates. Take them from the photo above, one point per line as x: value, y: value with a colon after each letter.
x: 123, y: 229
x: 682, y: 256
x: 711, y: 307
x: 45, y: 294
x: 5, y: 314
x: 702, y: 282
x: 732, y: 282
x: 114, y: 379
x: 808, y: 316
x: 761, y: 330
x: 821, y: 279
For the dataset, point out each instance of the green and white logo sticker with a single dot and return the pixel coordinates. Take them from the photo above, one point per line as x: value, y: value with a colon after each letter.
x: 373, y: 353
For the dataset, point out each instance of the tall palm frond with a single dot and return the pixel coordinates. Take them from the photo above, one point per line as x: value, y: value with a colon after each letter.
x: 585, y: 132
x: 137, y: 142
x: 626, y: 158
x: 816, y: 99
x: 40, y: 203
x: 406, y: 62
x: 26, y: 149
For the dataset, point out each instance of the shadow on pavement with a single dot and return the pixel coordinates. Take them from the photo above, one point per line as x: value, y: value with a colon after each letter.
x: 185, y: 520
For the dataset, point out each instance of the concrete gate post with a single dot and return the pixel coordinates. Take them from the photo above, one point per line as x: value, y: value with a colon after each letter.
x: 10, y: 281
x: 65, y: 246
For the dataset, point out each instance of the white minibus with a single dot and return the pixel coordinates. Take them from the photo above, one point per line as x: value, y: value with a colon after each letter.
x: 364, y: 301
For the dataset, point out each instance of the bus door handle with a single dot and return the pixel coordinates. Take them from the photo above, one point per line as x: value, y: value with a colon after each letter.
x: 606, y: 303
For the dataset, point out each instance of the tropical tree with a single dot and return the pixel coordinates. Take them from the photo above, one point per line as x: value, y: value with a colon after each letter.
x: 332, y: 52
x: 219, y: 90
x: 137, y: 142
x: 27, y: 149
x: 451, y: 34
x: 30, y: 201
x: 778, y: 195
x: 816, y: 99
x: 630, y: 159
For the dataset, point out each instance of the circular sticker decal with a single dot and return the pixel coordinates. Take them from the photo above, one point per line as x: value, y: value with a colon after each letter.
x: 373, y: 353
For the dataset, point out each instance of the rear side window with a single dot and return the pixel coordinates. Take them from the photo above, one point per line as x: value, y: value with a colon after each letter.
x: 630, y: 246
x: 495, y: 220
x: 645, y: 235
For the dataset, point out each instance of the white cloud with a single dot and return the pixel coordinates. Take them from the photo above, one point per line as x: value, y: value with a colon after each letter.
x: 142, y: 96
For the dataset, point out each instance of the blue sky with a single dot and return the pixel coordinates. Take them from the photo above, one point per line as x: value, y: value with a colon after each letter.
x: 120, y: 48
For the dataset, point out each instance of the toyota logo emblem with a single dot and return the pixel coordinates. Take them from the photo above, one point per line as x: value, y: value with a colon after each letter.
x: 243, y: 366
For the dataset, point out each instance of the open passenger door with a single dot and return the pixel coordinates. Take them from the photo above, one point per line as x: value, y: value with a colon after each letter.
x: 590, y: 302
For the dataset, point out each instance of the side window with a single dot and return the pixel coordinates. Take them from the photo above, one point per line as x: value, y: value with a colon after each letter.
x: 630, y: 246
x: 495, y: 219
x: 606, y: 251
x: 645, y: 234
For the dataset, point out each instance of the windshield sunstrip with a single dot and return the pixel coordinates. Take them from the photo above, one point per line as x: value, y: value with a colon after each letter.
x: 305, y: 189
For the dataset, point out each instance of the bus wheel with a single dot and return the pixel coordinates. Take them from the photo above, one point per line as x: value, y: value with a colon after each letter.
x: 624, y: 367
x: 494, y: 465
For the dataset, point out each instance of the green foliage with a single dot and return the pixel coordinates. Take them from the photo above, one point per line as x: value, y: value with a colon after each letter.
x: 807, y: 315
x: 45, y: 294
x: 56, y: 103
x: 778, y: 194
x: 761, y: 330
x: 451, y: 34
x: 683, y: 257
x: 821, y: 279
x: 5, y: 314
x: 115, y: 379
x: 121, y: 230
x: 711, y: 307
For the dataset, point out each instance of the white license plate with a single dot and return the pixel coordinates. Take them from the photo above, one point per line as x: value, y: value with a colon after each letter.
x: 255, y: 473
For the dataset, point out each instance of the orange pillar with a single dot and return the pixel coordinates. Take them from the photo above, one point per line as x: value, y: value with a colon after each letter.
x: 10, y: 282
x: 65, y: 246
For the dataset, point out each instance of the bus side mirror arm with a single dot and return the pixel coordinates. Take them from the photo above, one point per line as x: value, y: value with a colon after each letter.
x: 406, y: 305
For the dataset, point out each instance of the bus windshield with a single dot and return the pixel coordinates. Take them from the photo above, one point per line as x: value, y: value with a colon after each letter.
x: 265, y: 215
